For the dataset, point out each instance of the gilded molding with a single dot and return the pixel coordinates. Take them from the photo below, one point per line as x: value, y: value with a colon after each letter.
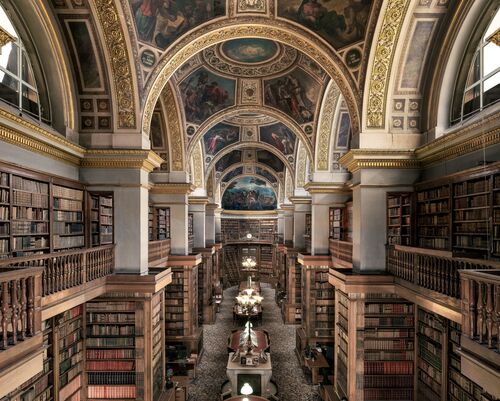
x: 197, y: 158
x: 282, y: 31
x: 122, y: 71
x: 121, y: 158
x: 325, y: 127
x: 494, y: 37
x: 174, y: 129
x: 173, y: 188
x: 359, y: 159
x: 5, y: 37
x: 301, y: 166
x: 327, y: 188
x: 198, y: 200
x: 296, y: 200
x: 384, y: 53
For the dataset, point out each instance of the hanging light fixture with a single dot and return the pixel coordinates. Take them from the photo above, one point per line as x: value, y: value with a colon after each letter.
x: 246, y: 389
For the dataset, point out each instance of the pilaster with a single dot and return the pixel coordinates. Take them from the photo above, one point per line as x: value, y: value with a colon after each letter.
x: 301, y: 207
x: 197, y: 208
x: 288, y: 223
x: 210, y: 209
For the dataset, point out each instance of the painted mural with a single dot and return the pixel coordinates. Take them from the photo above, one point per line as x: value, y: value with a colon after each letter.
x: 249, y: 193
x: 225, y: 161
x: 234, y: 173
x: 161, y: 22
x: 204, y: 93
x: 266, y: 174
x: 156, y: 131
x: 340, y: 22
x: 270, y: 160
x: 279, y: 136
x: 249, y: 50
x: 220, y: 136
x: 344, y: 130
x: 295, y: 94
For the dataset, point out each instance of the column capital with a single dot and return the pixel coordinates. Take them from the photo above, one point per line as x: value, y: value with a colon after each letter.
x: 287, y: 207
x: 327, y: 188
x: 146, y: 160
x: 359, y: 159
x: 173, y: 188
x: 300, y: 200
x: 211, y: 207
x: 198, y: 200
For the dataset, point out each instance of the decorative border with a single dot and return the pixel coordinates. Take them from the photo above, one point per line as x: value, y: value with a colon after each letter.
x: 384, y: 54
x: 175, y: 136
x: 324, y: 131
x: 122, y: 71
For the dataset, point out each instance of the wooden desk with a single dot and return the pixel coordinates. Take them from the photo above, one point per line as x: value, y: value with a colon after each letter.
x: 315, y: 365
x: 262, y: 341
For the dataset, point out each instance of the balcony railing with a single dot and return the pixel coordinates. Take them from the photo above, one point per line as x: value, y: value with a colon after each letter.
x: 435, y: 270
x: 342, y: 251
x: 158, y: 252
x: 64, y: 270
x: 19, y: 316
x: 481, y: 307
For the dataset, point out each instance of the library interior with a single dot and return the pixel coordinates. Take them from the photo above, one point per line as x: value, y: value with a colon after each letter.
x: 249, y: 200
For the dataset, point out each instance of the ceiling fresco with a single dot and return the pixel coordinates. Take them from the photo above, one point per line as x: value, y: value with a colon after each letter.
x: 249, y: 193
x: 341, y: 22
x: 204, y: 93
x: 227, y: 160
x: 279, y: 136
x: 160, y: 22
x: 270, y: 160
x: 266, y: 174
x: 220, y: 136
x: 233, y: 173
x: 250, y: 50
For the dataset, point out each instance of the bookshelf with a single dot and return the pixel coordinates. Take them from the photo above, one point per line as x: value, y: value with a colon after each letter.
x: 431, y: 335
x: 30, y: 217
x: 151, y: 220
x: 308, y: 232
x: 69, y: 335
x: 433, y: 217
x: 262, y: 230
x: 336, y: 223
x: 158, y: 333
x: 266, y: 265
x: 68, y: 218
x: 348, y: 222
x: 399, y: 216
x: 101, y: 218
x: 4, y: 215
x: 190, y: 232
x: 158, y: 223
x: 388, y: 347
x: 495, y: 248
x: 342, y: 342
x: 110, y: 347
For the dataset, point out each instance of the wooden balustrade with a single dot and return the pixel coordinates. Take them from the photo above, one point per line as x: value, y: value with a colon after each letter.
x: 19, y: 317
x: 481, y: 306
x: 158, y: 252
x: 64, y: 270
x: 341, y: 250
x: 435, y: 270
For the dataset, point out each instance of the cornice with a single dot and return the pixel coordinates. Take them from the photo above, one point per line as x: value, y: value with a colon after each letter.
x: 249, y: 212
x: 173, y: 188
x: 198, y: 200
x: 121, y: 158
x: 305, y: 200
x: 5, y: 37
x: 326, y: 187
x: 358, y: 159
x: 287, y: 207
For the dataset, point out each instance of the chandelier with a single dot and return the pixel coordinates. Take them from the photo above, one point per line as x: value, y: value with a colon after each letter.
x: 249, y: 263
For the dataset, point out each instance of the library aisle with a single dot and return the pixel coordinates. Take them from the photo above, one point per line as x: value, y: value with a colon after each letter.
x: 287, y: 374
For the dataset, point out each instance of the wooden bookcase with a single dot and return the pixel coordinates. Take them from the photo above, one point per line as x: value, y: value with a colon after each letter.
x: 190, y: 232
x: 291, y: 308
x: 262, y: 230
x: 68, y: 224
x: 158, y: 339
x: 158, y: 223
x: 348, y: 222
x: 308, y: 232
x: 266, y: 263
x: 101, y: 218
x: 151, y: 222
x: 336, y: 222
x: 342, y: 343
x: 399, y: 217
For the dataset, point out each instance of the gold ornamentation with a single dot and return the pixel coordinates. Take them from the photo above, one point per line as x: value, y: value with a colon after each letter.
x: 288, y: 184
x: 325, y: 126
x: 121, y: 158
x: 5, y: 37
x: 197, y: 158
x: 252, y: 6
x: 210, y: 184
x: 198, y: 200
x: 259, y: 27
x: 327, y: 188
x: 249, y: 91
x: 122, y: 71
x: 495, y: 37
x: 301, y: 166
x: 384, y: 53
x: 173, y: 188
x: 174, y: 130
x: 358, y: 159
x: 303, y: 200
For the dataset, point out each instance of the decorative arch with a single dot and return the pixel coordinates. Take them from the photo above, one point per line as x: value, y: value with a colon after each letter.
x: 253, y: 164
x: 258, y: 27
x: 174, y: 129
x: 300, y: 175
x: 197, y: 167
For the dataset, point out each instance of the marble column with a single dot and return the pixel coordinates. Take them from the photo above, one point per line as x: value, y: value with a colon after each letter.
x: 288, y: 223
x: 301, y: 207
x: 210, y: 209
x: 197, y: 208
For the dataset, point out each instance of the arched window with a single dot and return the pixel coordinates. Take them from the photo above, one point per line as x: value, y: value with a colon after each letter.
x: 17, y: 81
x: 481, y: 80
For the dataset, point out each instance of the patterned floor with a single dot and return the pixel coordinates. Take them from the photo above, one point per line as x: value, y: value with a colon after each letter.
x: 287, y: 374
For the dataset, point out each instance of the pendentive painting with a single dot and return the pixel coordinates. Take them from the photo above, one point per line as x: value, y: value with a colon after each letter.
x: 295, y: 94
x: 249, y: 193
x: 161, y: 22
x: 233, y: 173
x: 225, y: 161
x: 156, y: 131
x: 220, y: 136
x: 204, y: 94
x: 266, y: 174
x: 344, y: 130
x: 270, y: 160
x: 279, y: 136
x: 340, y: 22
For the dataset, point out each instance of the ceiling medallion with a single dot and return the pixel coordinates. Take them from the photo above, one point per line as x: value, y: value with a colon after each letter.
x: 250, y: 57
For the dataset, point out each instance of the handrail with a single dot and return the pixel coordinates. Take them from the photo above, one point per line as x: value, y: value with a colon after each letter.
x: 19, y: 314
x: 68, y: 269
x: 481, y: 306
x: 435, y: 270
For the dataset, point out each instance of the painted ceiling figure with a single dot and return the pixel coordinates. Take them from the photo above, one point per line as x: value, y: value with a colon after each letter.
x: 311, y: 12
x: 145, y: 18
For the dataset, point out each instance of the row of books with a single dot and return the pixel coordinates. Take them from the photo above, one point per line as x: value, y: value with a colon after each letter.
x: 112, y: 392
x: 433, y: 220
x: 433, y: 207
x: 435, y: 193
x: 388, y: 381
x: 4, y: 213
x: 107, y: 220
x: 109, y: 365
x: 4, y: 245
x: 4, y: 179
x: 105, y: 330
x: 70, y: 388
x: 111, y: 306
x: 435, y: 243
x: 388, y: 355
x: 30, y: 199
x: 110, y: 354
x: 64, y: 192
x: 111, y: 378
x: 4, y: 196
x: 433, y: 231
x: 388, y: 308
x: 110, y: 342
x: 388, y: 368
x: 389, y: 344
x: 61, y: 215
x: 406, y: 321
x: 68, y: 204
x: 61, y: 227
x: 468, y: 187
x: 472, y: 227
x: 472, y: 201
x: 30, y: 242
x: 29, y: 227
x: 472, y: 242
x: 111, y: 318
x: 30, y: 213
x: 29, y: 185
x: 69, y: 242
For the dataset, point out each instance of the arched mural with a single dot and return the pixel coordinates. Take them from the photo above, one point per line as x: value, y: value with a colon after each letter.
x: 249, y: 193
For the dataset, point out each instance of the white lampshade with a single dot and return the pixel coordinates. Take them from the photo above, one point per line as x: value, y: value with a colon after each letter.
x: 246, y: 389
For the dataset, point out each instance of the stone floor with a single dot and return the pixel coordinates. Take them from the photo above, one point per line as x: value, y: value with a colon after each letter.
x: 291, y: 381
